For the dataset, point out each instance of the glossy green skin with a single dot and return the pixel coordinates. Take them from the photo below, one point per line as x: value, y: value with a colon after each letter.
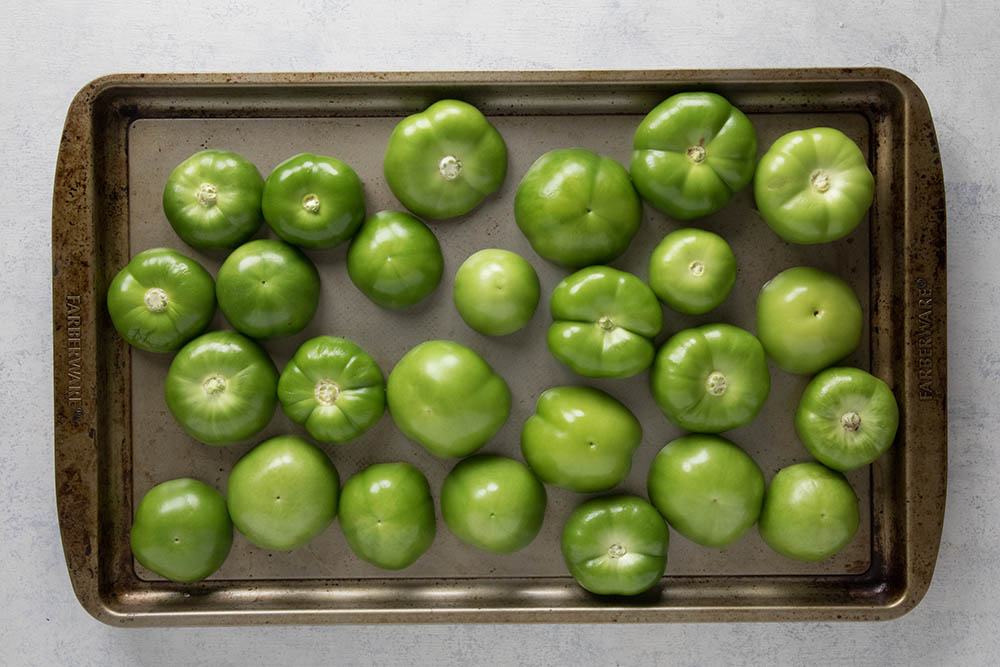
x: 813, y: 186
x: 496, y: 292
x: 313, y: 201
x: 810, y: 512
x: 692, y: 270
x: 708, y: 489
x: 682, y: 378
x: 283, y: 493
x: 268, y: 289
x: 825, y: 418
x: 395, y: 260
x: 580, y: 438
x: 247, y: 399
x: 182, y: 530
x: 447, y: 398
x: 493, y: 503
x: 387, y: 515
x: 577, y: 208
x: 161, y: 325
x: 417, y: 146
x: 672, y: 172
x: 808, y: 319
x: 228, y: 220
x: 616, y: 545
x: 332, y: 387
x: 604, y: 322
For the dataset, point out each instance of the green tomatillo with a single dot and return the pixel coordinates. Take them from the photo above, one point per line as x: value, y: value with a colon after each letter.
x: 395, y: 260
x: 161, y: 300
x: 691, y: 153
x: 711, y: 378
x: 332, y: 387
x: 442, y: 162
x: 616, y: 545
x: 221, y: 388
x: 847, y: 418
x: 813, y: 186
x: 212, y: 199
x: 387, y: 515
x: 604, y: 323
x: 182, y: 530
x: 577, y: 208
x: 447, y: 398
x: 580, y: 438
x: 313, y: 201
x: 692, y: 270
x: 496, y: 292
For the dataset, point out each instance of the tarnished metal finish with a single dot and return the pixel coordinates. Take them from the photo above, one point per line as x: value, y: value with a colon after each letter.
x: 104, y: 200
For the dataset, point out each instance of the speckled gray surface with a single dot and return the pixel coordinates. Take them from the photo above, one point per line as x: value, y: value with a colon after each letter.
x: 48, y: 50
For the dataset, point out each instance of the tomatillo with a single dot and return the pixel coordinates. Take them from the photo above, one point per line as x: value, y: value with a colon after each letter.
x: 708, y: 489
x: 283, y: 493
x: 494, y: 503
x: 447, y: 398
x: 711, y: 378
x: 442, y: 162
x: 313, y: 201
x: 182, y: 530
x: 692, y: 270
x: 221, y: 388
x: 808, y: 319
x: 387, y: 515
x: 604, y: 323
x: 496, y: 292
x: 691, y: 153
x: 810, y: 512
x: 395, y: 260
x: 212, y: 199
x: 813, y: 186
x: 268, y: 289
x: 847, y: 418
x: 332, y: 387
x: 577, y: 208
x: 580, y: 438
x: 616, y: 545
x: 161, y: 300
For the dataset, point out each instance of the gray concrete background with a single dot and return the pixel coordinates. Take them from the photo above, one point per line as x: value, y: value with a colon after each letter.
x: 48, y: 50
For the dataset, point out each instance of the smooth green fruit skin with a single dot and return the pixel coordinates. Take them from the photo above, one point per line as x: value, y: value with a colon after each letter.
x: 810, y: 512
x: 494, y: 503
x: 496, y: 292
x: 824, y: 419
x: 616, y: 545
x: 692, y: 270
x: 395, y: 260
x: 182, y: 530
x: 332, y: 387
x: 580, y: 438
x: 313, y: 201
x: 708, y: 489
x: 446, y: 129
x: 283, y: 493
x: 682, y: 378
x: 670, y: 140
x: 225, y: 222
x: 577, y: 208
x: 808, y: 319
x: 603, y: 323
x: 813, y: 186
x: 387, y: 515
x: 447, y: 398
x: 268, y: 289
x: 247, y: 399
x: 190, y: 300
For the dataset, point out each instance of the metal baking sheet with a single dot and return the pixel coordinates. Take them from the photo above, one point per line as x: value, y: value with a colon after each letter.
x: 159, y: 124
